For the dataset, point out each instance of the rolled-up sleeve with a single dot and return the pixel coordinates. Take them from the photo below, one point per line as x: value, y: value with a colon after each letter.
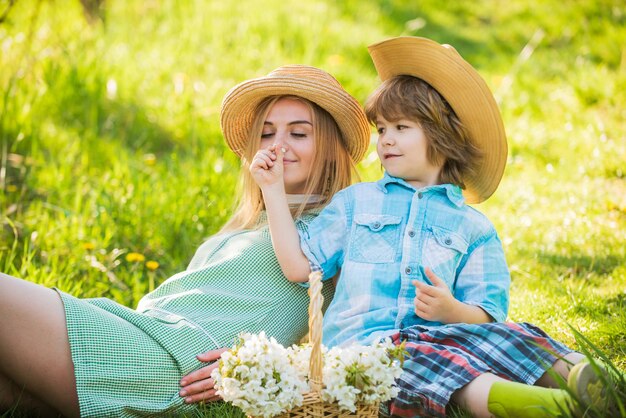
x: 323, y: 241
x: 484, y: 279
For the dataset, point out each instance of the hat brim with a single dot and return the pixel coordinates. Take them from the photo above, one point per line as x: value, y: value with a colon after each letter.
x: 315, y: 85
x: 467, y: 93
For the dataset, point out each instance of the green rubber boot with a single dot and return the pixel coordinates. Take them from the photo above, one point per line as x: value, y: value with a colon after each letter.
x: 519, y: 400
x: 589, y: 387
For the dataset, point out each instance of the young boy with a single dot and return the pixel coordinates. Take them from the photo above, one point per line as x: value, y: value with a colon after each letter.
x: 416, y: 263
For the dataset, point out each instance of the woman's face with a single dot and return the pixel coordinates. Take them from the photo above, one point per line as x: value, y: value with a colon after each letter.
x: 289, y: 122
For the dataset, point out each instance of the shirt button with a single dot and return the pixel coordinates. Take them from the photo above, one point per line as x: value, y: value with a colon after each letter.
x: 408, y: 270
x: 420, y: 195
x: 376, y: 225
x: 411, y: 233
x: 448, y: 241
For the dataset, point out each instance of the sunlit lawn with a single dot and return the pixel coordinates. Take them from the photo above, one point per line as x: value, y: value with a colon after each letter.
x: 110, y: 141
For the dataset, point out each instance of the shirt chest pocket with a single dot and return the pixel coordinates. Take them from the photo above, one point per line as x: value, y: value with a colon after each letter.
x: 375, y: 238
x: 443, y: 250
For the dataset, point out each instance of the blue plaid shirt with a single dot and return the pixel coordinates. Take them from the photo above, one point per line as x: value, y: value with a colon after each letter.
x: 381, y: 235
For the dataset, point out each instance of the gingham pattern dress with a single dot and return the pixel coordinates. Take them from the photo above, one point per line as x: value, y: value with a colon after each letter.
x: 128, y: 363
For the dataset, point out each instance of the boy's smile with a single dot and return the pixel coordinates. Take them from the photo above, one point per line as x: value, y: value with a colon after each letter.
x: 402, y: 148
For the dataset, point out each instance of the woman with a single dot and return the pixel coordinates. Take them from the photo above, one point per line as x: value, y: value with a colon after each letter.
x: 94, y: 357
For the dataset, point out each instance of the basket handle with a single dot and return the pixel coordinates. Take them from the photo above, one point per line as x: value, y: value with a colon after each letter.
x: 315, y: 331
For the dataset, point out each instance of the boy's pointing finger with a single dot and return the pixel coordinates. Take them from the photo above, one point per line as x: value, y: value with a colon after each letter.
x: 434, y: 279
x: 421, y: 287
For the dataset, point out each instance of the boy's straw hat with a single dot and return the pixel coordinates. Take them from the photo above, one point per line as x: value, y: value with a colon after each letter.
x: 459, y: 83
x: 303, y: 81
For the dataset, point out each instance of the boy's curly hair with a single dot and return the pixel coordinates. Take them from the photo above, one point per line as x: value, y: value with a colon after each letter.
x: 408, y: 97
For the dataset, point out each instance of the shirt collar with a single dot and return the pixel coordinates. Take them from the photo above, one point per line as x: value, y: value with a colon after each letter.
x: 306, y: 216
x: 452, y: 191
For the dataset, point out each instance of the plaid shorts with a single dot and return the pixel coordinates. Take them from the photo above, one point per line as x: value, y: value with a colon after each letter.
x: 444, y: 359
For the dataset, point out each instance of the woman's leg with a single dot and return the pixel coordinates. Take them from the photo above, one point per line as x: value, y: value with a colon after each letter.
x: 8, y: 393
x: 34, y: 346
x: 12, y: 396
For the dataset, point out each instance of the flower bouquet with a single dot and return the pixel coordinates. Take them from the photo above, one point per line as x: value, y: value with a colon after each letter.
x: 265, y: 379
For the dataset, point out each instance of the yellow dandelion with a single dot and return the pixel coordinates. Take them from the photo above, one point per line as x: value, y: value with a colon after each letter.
x: 335, y: 59
x: 135, y: 258
x: 88, y: 246
x: 149, y: 159
x: 152, y: 265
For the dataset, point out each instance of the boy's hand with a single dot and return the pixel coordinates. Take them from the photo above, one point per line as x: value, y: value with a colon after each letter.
x: 267, y: 166
x: 436, y: 302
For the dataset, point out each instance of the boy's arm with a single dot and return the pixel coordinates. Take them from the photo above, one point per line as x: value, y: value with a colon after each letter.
x: 483, y: 277
x: 267, y: 170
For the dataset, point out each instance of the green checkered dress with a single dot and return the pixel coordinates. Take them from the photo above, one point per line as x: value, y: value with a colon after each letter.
x: 129, y: 362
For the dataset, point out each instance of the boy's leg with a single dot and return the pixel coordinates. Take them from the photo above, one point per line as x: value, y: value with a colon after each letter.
x: 432, y: 373
x: 489, y: 395
x: 516, y: 400
x: 519, y: 400
x: 562, y: 367
x: 34, y: 345
x: 474, y: 396
x: 477, y: 356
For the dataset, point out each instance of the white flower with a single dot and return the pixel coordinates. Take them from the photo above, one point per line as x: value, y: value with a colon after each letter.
x: 255, y: 377
x: 360, y: 374
x: 265, y: 379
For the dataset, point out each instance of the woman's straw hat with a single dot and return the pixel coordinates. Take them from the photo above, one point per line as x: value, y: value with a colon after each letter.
x: 459, y: 83
x: 310, y: 83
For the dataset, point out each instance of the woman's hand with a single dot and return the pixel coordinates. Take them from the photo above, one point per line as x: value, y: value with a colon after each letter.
x: 267, y: 166
x: 198, y: 386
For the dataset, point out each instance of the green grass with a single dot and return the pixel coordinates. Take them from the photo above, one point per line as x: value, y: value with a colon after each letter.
x: 110, y: 139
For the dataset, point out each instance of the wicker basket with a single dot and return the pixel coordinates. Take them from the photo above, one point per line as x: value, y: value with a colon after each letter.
x: 313, y: 406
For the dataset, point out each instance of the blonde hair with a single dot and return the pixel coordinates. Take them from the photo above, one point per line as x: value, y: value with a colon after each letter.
x: 449, y: 141
x: 332, y: 170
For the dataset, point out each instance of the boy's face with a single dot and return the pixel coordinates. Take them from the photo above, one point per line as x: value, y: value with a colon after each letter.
x: 401, y: 148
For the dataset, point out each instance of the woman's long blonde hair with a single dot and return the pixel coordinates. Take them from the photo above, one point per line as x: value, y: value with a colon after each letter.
x: 332, y: 170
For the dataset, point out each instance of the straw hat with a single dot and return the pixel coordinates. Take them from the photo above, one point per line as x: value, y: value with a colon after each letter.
x: 303, y: 81
x: 459, y: 83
